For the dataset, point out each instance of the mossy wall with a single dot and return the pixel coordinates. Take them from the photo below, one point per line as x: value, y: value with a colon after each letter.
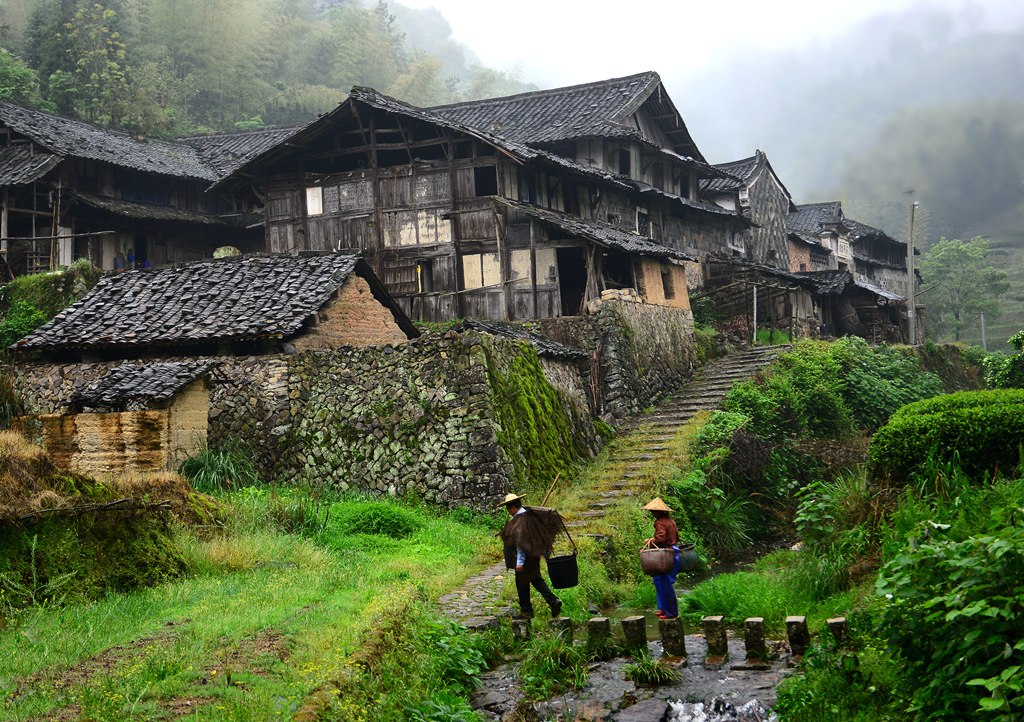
x: 458, y: 419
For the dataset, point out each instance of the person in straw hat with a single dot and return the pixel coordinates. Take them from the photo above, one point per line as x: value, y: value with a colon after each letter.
x: 666, y: 536
x: 526, y: 538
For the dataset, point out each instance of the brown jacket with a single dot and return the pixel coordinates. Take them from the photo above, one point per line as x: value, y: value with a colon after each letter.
x: 665, y: 532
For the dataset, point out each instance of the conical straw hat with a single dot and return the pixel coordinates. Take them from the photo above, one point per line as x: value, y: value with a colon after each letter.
x: 510, y: 498
x: 656, y: 505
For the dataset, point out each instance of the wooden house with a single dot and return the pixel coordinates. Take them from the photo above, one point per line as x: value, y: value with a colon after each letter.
x: 71, y: 190
x: 528, y: 206
x: 754, y: 190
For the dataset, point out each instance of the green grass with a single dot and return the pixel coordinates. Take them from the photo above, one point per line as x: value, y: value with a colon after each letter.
x: 267, y: 619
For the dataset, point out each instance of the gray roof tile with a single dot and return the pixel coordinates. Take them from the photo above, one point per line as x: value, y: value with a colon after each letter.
x: 134, y: 386
x: 238, y: 298
x: 19, y: 165
x: 73, y: 138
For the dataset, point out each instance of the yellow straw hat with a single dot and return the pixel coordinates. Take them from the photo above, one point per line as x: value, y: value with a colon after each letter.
x: 656, y: 505
x: 510, y: 498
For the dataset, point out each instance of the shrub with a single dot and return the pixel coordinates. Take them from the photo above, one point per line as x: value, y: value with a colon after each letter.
x: 957, y: 630
x: 985, y: 429
x: 374, y: 517
x: 21, y: 319
x: 1009, y: 371
x: 221, y: 468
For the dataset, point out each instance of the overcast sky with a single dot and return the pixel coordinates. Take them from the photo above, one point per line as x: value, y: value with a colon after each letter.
x: 562, y: 42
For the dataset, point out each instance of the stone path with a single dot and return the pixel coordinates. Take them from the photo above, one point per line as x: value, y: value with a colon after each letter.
x: 634, y: 459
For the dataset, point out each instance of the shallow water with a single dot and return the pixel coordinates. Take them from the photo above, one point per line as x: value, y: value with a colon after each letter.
x: 701, y: 695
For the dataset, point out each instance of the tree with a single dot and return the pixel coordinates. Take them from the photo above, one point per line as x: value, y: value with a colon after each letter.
x: 18, y: 81
x: 961, y: 282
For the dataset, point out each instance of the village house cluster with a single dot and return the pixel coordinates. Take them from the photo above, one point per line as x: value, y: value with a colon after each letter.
x: 544, y: 207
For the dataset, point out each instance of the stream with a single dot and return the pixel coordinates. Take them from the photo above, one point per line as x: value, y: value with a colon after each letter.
x: 701, y: 695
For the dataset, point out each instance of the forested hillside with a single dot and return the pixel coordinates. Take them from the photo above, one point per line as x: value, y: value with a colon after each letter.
x: 182, y: 66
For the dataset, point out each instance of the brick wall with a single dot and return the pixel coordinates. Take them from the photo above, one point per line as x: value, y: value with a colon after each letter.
x: 352, y: 318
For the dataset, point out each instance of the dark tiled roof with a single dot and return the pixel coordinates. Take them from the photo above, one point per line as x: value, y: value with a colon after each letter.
x: 19, y: 165
x: 828, y: 282
x: 860, y: 230
x: 72, y: 138
x: 603, y: 234
x: 544, y: 345
x: 131, y: 386
x: 552, y: 116
x: 811, y: 217
x: 696, y: 205
x: 238, y: 298
x: 740, y: 170
x: 224, y: 152
x: 145, y: 211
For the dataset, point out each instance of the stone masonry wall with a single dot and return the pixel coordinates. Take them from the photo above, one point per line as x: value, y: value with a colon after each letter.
x: 425, y: 417
x: 644, y: 350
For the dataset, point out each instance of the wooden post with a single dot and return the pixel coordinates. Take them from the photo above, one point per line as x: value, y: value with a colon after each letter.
x: 563, y: 628
x: 521, y: 629
x: 840, y: 630
x: 717, y: 640
x: 799, y: 637
x: 753, y: 638
x: 634, y: 630
x: 673, y: 637
x: 598, y: 628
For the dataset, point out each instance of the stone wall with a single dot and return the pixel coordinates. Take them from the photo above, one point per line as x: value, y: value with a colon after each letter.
x: 459, y: 419
x: 644, y: 350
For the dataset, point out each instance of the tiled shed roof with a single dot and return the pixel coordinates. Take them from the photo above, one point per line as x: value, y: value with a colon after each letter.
x: 19, y: 165
x: 544, y: 345
x: 828, y: 282
x: 560, y: 114
x: 146, y: 211
x: 603, y: 234
x: 239, y: 298
x: 72, y: 138
x: 133, y: 386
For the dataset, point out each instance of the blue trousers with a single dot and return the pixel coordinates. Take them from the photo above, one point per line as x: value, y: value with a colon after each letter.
x: 664, y: 586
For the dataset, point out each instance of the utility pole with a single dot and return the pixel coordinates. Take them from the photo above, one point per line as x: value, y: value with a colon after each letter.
x: 984, y: 343
x: 911, y: 302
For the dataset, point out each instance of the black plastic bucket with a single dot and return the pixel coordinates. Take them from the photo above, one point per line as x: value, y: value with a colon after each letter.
x: 564, y: 571
x: 687, y: 557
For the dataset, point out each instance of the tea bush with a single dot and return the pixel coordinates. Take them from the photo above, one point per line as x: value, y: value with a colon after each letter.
x: 984, y: 429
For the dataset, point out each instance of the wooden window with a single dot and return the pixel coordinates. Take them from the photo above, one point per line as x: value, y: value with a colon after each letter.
x: 485, y: 180
x: 480, y: 270
x: 667, y: 283
x: 625, y: 162
x: 314, y: 201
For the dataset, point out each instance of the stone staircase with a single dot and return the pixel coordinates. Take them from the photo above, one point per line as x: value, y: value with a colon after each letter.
x: 636, y: 459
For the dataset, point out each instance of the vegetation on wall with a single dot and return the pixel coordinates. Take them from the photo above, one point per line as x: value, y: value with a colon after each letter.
x: 29, y: 301
x: 536, y: 430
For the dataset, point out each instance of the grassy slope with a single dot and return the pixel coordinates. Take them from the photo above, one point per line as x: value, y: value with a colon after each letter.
x: 268, y: 619
x: 1006, y: 232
